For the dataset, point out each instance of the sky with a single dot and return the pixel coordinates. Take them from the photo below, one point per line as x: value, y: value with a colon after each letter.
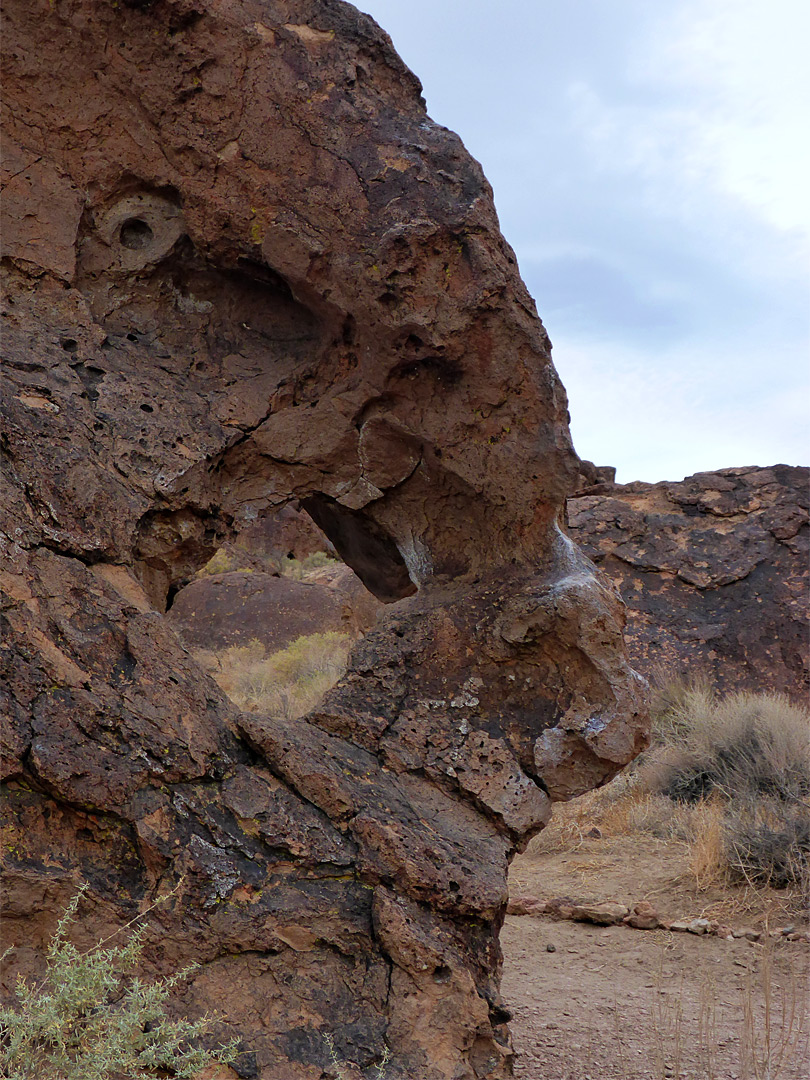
x: 650, y: 163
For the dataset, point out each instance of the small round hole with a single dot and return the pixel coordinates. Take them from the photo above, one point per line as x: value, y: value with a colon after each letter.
x: 147, y: 408
x: 70, y: 344
x: 135, y: 234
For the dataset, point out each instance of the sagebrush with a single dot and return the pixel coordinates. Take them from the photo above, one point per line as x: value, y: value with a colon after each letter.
x: 748, y: 754
x: 92, y: 1018
x: 740, y: 745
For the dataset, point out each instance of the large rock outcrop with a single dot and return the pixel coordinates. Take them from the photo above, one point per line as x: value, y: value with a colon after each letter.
x: 218, y: 611
x: 244, y: 268
x: 714, y: 570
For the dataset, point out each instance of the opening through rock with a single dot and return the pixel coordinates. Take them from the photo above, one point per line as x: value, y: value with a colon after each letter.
x: 274, y: 614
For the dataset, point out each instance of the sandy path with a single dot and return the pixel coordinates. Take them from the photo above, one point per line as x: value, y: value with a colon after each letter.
x: 610, y: 1003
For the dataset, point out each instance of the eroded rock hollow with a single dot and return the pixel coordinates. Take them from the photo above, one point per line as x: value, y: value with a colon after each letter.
x: 244, y: 269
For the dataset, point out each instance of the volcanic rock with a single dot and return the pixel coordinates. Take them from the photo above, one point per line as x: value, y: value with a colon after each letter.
x: 526, y: 905
x: 287, y: 534
x: 609, y: 913
x: 643, y: 917
x: 714, y: 570
x: 221, y: 610
x: 245, y: 270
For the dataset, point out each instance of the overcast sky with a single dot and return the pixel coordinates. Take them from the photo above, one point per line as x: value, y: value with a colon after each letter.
x: 650, y: 168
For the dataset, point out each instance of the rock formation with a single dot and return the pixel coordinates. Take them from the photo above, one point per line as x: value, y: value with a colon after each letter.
x: 244, y: 268
x: 714, y: 571
x: 221, y: 610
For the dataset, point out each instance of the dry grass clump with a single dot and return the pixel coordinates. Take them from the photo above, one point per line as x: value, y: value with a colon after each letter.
x: 743, y: 745
x: 767, y: 840
x: 300, y: 569
x: 233, y: 558
x: 288, y: 683
x: 743, y: 762
x: 727, y: 777
x: 771, y: 1020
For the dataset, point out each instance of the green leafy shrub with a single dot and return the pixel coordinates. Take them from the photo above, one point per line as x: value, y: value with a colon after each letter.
x: 93, y: 1019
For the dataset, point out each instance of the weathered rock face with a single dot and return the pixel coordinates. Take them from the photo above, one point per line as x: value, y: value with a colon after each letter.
x: 244, y: 268
x: 222, y: 610
x: 714, y: 571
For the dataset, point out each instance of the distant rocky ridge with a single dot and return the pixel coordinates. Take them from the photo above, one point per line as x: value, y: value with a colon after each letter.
x: 714, y: 571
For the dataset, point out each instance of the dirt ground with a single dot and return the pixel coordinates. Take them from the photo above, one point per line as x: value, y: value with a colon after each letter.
x: 613, y: 1003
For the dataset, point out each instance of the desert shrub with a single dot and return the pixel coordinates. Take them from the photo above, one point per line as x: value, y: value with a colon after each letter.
x: 229, y: 560
x: 233, y: 558
x: 766, y: 840
x: 742, y: 745
x: 746, y: 758
x: 221, y: 562
x: 287, y: 683
x: 91, y: 1019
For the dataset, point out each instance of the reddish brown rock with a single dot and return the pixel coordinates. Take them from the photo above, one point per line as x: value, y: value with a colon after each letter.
x: 714, y: 571
x: 608, y: 913
x: 245, y: 270
x: 526, y: 905
x: 643, y: 917
x: 287, y: 534
x: 220, y: 610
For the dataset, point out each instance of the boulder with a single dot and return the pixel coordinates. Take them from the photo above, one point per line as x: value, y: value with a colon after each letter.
x: 245, y: 270
x: 218, y: 611
x: 526, y: 905
x: 714, y: 570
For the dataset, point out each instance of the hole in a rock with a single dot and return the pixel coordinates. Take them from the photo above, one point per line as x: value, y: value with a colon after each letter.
x: 442, y: 974
x: 135, y: 234
x: 146, y: 408
x: 132, y: 337
x: 70, y: 344
x: 275, y: 613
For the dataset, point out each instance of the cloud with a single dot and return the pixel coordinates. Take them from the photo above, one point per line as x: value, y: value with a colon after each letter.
x: 716, y: 96
x: 684, y: 410
x: 744, y: 65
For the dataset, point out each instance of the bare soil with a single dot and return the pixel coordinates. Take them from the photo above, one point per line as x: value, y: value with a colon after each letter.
x: 614, y: 1003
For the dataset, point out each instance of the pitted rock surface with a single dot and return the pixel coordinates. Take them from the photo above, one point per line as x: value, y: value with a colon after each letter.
x: 714, y: 570
x: 244, y: 269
